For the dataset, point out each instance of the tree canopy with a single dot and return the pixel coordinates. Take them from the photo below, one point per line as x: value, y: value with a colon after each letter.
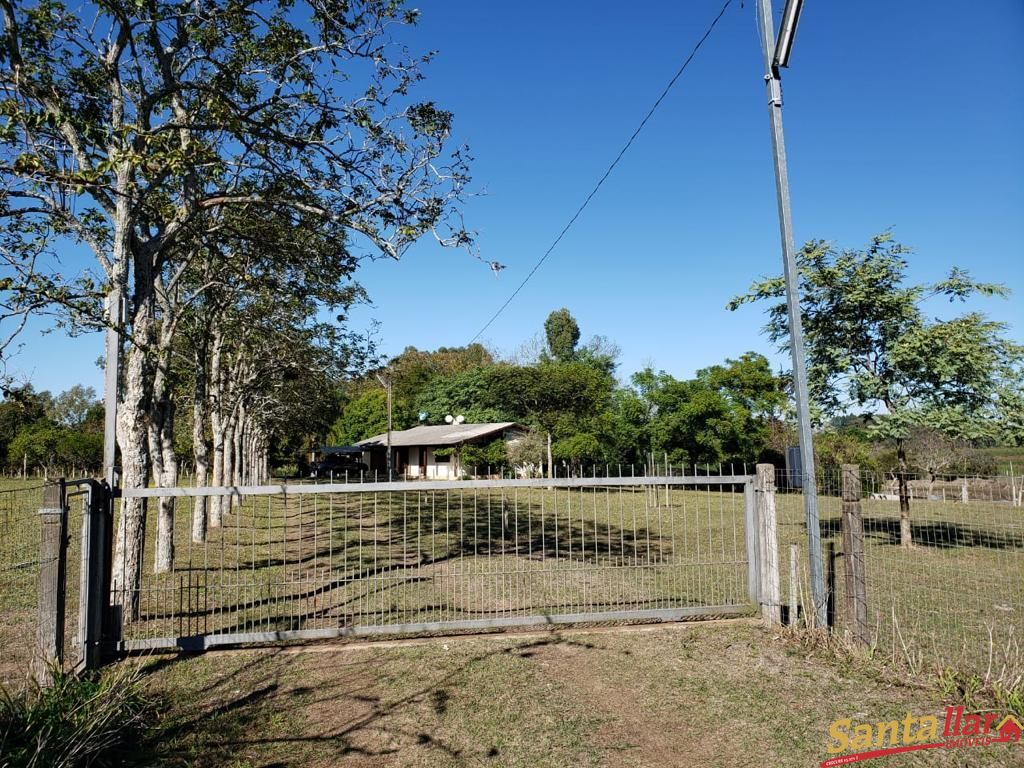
x: 873, y: 349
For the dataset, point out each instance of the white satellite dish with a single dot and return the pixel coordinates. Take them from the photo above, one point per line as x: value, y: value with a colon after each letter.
x: 459, y: 419
x: 448, y: 419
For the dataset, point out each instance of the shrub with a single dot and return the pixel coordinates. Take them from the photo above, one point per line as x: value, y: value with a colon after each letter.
x: 79, y: 721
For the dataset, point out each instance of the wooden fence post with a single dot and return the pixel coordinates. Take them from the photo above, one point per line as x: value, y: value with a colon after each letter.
x: 49, y: 653
x: 794, y: 584
x: 853, y: 557
x: 771, y: 602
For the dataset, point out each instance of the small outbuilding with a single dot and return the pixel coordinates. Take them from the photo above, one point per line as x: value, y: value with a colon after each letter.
x: 433, y: 452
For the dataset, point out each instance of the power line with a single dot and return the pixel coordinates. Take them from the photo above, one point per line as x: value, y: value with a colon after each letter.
x: 607, y: 173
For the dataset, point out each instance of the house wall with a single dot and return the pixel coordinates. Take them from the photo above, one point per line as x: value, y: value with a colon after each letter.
x: 435, y: 470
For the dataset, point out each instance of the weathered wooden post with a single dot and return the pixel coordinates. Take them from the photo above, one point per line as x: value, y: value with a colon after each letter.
x: 764, y: 491
x: 53, y: 518
x: 853, y: 557
x: 794, y: 584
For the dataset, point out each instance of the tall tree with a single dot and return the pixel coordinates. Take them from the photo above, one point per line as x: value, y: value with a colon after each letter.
x: 130, y: 128
x: 563, y: 334
x: 71, y: 407
x: 871, y: 347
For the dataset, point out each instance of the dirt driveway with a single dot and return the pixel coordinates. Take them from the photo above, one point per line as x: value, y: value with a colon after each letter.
x: 728, y: 694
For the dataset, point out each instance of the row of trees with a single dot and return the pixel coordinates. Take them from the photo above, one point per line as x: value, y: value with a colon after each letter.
x: 42, y: 434
x: 577, y: 411
x: 192, y: 176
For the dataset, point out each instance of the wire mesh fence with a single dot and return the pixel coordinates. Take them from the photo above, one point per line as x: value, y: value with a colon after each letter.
x: 19, y: 578
x: 953, y: 598
x: 20, y: 565
x: 308, y: 561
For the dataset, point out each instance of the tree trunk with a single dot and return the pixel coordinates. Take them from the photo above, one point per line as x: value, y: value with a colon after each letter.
x: 238, y: 452
x: 168, y: 478
x: 160, y: 433
x: 217, y: 428
x: 906, y: 536
x: 126, y: 570
x: 551, y: 465
x: 200, y: 449
x: 229, y: 452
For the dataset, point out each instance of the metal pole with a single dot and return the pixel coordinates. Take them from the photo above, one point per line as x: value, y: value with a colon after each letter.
x: 386, y: 383
x: 774, y: 89
x: 390, y: 475
x: 110, y: 383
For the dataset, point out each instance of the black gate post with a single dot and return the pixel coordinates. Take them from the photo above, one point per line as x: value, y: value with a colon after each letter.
x: 94, y: 623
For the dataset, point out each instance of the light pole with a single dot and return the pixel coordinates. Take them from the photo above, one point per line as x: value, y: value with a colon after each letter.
x: 776, y: 54
x: 111, y: 380
x: 385, y: 381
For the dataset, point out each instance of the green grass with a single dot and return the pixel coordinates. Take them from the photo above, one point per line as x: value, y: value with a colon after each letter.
x: 77, y: 721
x: 934, y: 604
x: 329, y: 561
x: 19, y: 573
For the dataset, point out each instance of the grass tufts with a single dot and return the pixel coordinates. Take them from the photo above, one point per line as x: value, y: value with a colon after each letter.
x: 89, y: 720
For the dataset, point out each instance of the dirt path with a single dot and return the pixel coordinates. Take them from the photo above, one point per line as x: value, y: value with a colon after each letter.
x: 719, y: 695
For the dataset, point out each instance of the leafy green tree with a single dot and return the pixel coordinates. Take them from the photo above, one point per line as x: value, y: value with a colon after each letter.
x: 467, y: 393
x: 364, y: 416
x: 40, y: 443
x: 491, y: 456
x: 755, y: 394
x: 21, y: 407
x: 691, y: 422
x: 71, y: 407
x: 872, y: 348
x: 563, y: 334
x: 577, y: 449
x: 414, y: 370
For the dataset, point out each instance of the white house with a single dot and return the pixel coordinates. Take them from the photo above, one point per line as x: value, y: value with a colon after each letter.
x: 414, y: 451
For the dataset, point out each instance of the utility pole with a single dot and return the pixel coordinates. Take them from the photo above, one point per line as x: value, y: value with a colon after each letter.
x: 385, y: 381
x: 110, y: 383
x: 776, y: 54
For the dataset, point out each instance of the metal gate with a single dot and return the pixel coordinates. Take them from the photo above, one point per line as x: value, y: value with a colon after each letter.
x: 296, y: 562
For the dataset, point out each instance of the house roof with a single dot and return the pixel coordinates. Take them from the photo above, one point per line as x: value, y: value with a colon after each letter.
x: 442, y: 434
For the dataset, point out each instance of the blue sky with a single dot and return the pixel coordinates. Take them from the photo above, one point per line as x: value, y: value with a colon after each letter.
x: 907, y: 115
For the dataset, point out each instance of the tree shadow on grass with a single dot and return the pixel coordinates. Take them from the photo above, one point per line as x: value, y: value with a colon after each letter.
x: 937, y: 534
x: 386, y: 550
x: 292, y: 718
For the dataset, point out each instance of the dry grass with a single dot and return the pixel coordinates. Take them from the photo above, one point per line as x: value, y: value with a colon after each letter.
x: 724, y: 695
